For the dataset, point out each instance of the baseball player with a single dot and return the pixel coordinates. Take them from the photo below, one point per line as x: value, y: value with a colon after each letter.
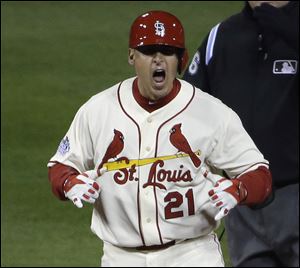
x: 142, y: 153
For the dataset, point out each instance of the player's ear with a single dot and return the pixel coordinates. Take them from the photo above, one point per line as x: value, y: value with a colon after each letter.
x: 131, y: 56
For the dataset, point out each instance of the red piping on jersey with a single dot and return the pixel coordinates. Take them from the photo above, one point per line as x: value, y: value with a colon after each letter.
x: 144, y: 103
x: 156, y: 148
x: 138, y: 186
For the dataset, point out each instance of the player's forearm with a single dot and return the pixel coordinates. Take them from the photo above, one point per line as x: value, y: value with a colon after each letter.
x: 57, y: 175
x: 258, y: 184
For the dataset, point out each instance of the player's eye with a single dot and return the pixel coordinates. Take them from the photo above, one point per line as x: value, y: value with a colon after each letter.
x: 168, y: 51
x: 151, y: 50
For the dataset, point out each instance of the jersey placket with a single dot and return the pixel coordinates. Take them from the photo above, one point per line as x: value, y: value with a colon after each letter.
x: 148, y: 200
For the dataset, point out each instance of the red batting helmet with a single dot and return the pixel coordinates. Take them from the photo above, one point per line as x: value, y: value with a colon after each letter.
x: 159, y: 28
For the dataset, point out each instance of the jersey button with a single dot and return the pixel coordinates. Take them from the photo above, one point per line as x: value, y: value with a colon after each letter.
x: 148, y: 220
x: 148, y: 149
x: 149, y: 120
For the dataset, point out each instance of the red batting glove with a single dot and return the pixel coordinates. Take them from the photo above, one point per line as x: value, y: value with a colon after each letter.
x: 82, y: 187
x: 225, y: 194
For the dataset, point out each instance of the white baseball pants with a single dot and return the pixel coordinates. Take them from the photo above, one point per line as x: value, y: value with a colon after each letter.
x: 198, y: 252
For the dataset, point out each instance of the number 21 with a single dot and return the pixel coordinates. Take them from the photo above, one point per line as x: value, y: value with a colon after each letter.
x: 175, y: 199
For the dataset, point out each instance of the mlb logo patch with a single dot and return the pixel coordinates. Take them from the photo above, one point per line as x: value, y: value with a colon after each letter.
x: 285, y: 67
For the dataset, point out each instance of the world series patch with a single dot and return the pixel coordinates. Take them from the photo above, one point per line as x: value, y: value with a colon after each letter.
x: 64, y: 146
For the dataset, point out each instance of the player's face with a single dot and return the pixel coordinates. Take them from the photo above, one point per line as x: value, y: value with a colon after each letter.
x: 277, y: 4
x: 156, y: 71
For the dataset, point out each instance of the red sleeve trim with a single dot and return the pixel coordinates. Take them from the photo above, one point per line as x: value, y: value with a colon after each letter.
x: 258, y: 184
x: 57, y: 175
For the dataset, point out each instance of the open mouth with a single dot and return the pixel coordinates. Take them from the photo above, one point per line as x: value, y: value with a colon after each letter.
x: 159, y: 75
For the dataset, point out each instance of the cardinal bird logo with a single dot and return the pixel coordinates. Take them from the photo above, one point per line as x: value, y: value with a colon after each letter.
x: 180, y: 142
x: 114, y: 148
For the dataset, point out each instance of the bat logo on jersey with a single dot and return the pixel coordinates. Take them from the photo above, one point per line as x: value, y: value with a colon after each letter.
x: 127, y: 168
x: 180, y: 142
x: 159, y: 28
x: 114, y: 148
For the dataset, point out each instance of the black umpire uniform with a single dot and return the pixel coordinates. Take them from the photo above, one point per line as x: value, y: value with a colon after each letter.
x: 250, y: 62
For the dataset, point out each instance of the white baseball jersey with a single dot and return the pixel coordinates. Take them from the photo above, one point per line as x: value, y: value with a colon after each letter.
x: 153, y: 191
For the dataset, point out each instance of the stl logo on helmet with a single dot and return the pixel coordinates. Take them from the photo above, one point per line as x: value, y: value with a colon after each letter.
x: 159, y: 28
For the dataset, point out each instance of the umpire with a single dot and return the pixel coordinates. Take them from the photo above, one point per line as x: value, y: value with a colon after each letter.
x: 250, y: 62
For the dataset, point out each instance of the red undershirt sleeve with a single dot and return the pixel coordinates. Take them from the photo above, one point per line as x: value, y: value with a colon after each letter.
x: 57, y: 175
x: 258, y: 184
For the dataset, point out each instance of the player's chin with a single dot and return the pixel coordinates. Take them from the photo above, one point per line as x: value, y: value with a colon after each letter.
x: 159, y: 93
x: 160, y: 86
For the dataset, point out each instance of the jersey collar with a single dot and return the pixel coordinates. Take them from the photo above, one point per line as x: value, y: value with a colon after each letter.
x: 149, y: 105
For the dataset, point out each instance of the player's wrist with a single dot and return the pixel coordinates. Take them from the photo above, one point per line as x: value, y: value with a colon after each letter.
x: 69, y: 183
x: 240, y: 193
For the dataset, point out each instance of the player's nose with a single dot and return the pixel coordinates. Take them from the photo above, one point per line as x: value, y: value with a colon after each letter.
x: 158, y: 57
